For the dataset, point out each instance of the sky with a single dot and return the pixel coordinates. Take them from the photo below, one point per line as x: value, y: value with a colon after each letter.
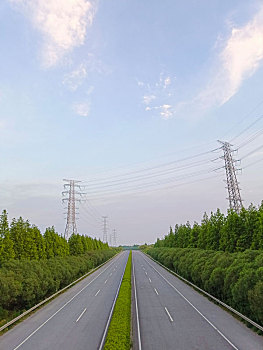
x: 129, y: 97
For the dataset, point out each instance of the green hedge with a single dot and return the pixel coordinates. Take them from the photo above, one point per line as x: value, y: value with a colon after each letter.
x: 25, y: 283
x: 118, y: 337
x: 234, y: 278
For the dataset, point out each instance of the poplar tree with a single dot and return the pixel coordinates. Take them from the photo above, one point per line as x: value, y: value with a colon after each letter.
x: 6, y: 244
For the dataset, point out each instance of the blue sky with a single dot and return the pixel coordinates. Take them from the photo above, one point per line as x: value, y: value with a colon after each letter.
x: 95, y: 90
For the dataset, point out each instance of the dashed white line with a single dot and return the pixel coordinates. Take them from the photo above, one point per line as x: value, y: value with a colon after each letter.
x: 81, y: 315
x: 145, y: 273
x: 199, y: 312
x: 106, y: 281
x: 168, y: 313
x: 150, y: 280
x: 62, y: 307
x: 110, y: 273
x: 156, y: 291
x: 97, y: 293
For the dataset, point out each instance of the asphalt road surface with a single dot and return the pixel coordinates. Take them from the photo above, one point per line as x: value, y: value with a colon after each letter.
x: 172, y: 315
x: 76, y: 319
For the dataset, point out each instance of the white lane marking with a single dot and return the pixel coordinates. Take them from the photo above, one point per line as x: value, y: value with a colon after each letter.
x: 97, y: 293
x: 106, y: 281
x: 150, y: 280
x: 143, y: 268
x: 110, y: 273
x: 62, y: 307
x: 189, y: 302
x: 137, y: 313
x: 81, y: 315
x: 168, y: 313
x: 145, y: 273
x: 156, y: 291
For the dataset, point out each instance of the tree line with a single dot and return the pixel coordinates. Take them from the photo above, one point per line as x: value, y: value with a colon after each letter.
x: 21, y: 240
x: 234, y: 278
x: 231, y: 233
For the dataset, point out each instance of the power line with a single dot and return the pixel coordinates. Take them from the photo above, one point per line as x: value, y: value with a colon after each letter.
x: 137, y: 192
x: 98, y: 181
x: 248, y: 127
x: 139, y: 178
x: 253, y: 151
x: 153, y: 183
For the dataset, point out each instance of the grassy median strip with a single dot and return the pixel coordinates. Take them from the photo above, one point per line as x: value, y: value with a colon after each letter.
x: 118, y: 336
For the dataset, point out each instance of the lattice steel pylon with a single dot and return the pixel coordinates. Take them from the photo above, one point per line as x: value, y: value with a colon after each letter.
x: 72, y: 196
x: 235, y: 201
x: 114, y: 237
x: 105, y: 229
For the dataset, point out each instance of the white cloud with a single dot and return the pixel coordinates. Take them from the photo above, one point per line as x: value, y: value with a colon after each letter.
x: 167, y: 82
x: 147, y: 99
x: 166, y: 111
x: 75, y: 78
x: 159, y: 96
x: 63, y: 24
x: 240, y: 56
x: 82, y: 109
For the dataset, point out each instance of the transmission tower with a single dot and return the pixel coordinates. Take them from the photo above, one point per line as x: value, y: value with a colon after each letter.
x: 71, y: 196
x: 235, y: 201
x: 105, y: 229
x: 114, y: 237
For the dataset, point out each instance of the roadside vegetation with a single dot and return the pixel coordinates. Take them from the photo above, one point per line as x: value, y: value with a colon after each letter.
x: 34, y: 266
x: 231, y: 233
x: 20, y: 240
x: 223, y: 255
x: 118, y: 336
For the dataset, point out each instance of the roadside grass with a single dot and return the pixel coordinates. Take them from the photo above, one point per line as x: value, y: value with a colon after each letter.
x: 118, y: 337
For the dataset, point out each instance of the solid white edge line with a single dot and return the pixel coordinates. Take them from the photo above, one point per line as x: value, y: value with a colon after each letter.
x: 14, y: 320
x: 168, y: 313
x: 136, y: 308
x: 81, y: 315
x: 62, y: 307
x: 156, y: 291
x: 200, y: 313
x: 111, y: 311
x: 207, y: 294
x: 97, y: 293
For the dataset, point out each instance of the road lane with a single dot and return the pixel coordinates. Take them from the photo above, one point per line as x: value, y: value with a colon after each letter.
x: 54, y: 326
x: 177, y: 317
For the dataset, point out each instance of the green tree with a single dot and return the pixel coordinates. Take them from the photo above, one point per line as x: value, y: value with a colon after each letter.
x: 6, y: 244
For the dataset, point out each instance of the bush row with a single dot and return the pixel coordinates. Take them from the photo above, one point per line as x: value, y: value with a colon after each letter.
x: 118, y: 336
x: 25, y: 283
x: 234, y: 278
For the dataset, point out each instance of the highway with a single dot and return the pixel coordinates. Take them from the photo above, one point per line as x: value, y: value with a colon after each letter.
x: 172, y: 315
x: 74, y: 320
